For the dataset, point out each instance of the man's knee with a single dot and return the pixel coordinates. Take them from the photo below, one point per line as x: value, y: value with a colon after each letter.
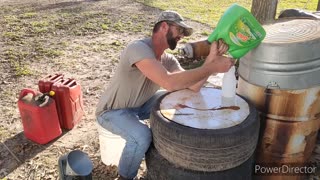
x: 144, y: 138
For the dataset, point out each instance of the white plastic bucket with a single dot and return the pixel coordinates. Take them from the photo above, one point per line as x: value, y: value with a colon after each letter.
x: 111, y: 146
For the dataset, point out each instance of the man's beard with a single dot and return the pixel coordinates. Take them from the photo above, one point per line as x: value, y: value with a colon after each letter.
x: 171, y: 40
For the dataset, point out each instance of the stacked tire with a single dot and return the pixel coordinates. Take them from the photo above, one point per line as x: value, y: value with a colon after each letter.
x: 182, y: 152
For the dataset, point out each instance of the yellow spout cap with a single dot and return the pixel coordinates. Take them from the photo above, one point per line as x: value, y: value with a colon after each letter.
x: 52, y: 93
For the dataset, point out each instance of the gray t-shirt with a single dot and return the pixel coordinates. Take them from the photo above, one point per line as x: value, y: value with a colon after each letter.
x: 129, y: 87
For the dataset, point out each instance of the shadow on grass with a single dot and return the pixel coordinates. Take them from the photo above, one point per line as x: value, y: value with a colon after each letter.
x: 62, y: 5
x: 58, y: 5
x: 17, y: 150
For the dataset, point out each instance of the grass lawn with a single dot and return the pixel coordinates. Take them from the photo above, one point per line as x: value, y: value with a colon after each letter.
x: 28, y: 33
x: 209, y: 11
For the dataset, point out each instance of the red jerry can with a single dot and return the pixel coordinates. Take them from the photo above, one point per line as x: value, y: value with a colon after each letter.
x: 69, y: 102
x: 40, y: 122
x: 46, y: 82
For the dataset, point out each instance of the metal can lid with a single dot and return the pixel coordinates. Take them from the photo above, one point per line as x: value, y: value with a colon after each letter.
x: 204, y: 109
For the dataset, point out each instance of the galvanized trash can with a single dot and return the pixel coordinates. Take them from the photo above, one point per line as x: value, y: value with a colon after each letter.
x: 281, y: 78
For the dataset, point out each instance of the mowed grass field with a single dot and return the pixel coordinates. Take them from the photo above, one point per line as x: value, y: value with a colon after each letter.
x: 26, y: 25
x: 210, y: 11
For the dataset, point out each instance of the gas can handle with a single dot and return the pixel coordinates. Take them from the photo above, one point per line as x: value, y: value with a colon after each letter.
x: 70, y: 82
x: 25, y: 91
x: 56, y: 77
x: 59, y: 82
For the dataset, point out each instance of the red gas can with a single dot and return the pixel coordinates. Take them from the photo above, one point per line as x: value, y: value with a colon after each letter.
x: 40, y: 124
x: 69, y: 102
x: 46, y: 82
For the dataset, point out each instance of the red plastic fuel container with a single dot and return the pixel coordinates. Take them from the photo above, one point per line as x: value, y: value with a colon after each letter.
x: 40, y: 124
x: 46, y: 82
x: 68, y: 96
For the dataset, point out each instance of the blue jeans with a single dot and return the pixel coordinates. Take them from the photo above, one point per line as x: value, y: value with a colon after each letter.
x: 128, y: 123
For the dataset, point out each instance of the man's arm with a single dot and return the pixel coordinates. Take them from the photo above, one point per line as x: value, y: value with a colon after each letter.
x: 154, y: 70
x: 222, y: 49
x: 198, y: 85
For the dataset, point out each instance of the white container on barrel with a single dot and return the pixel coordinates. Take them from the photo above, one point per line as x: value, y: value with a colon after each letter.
x: 200, y: 137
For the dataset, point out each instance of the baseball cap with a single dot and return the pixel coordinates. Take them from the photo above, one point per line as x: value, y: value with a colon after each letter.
x: 175, y: 17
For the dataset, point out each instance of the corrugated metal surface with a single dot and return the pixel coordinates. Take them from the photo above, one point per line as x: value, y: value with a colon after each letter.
x: 281, y: 78
x: 288, y: 57
x: 289, y: 125
x: 285, y: 105
x: 289, y: 120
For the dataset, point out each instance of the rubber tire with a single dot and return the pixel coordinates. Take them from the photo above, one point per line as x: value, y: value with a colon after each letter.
x: 205, y: 150
x: 158, y: 168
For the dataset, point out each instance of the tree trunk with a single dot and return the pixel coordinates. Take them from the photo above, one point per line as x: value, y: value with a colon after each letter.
x: 318, y: 8
x: 264, y: 10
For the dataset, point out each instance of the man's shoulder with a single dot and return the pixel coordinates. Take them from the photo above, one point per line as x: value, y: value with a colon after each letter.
x: 137, y: 50
x: 139, y: 46
x: 140, y: 42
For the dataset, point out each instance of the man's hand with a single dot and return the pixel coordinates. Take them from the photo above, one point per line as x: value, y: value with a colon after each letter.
x: 222, y: 47
x: 216, y: 61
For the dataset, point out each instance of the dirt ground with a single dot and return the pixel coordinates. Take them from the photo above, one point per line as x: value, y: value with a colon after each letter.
x: 80, y: 39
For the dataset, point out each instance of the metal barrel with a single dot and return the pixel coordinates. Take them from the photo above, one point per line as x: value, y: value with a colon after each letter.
x: 280, y: 77
x: 196, y: 50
